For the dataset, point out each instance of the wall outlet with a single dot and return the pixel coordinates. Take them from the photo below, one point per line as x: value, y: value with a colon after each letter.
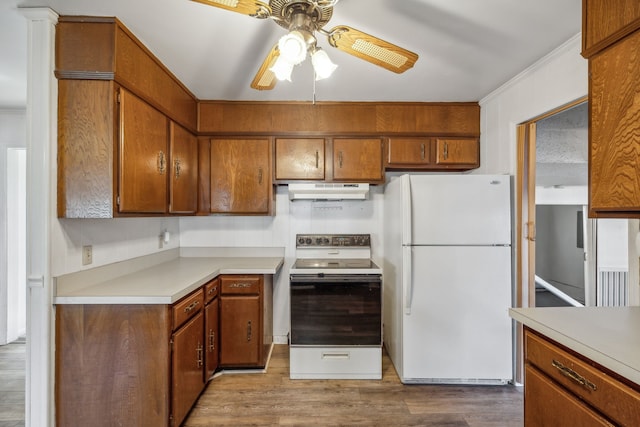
x: 87, y: 255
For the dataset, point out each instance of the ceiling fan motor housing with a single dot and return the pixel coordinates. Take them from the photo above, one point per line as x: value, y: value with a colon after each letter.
x: 295, y: 14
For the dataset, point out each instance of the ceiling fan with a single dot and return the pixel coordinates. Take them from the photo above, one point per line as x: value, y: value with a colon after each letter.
x: 304, y: 18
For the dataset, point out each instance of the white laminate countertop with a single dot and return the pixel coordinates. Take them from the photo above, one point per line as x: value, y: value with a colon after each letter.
x: 610, y: 336
x: 162, y: 283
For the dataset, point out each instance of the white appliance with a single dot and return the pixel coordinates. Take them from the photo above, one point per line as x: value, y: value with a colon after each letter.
x: 336, y: 308
x: 448, y: 278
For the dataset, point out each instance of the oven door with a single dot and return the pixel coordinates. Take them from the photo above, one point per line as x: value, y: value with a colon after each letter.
x: 336, y: 310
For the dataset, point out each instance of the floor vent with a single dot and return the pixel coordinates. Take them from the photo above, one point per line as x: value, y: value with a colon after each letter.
x: 612, y: 288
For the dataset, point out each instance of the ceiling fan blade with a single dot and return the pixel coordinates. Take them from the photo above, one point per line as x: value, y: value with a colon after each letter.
x: 254, y: 8
x: 372, y: 49
x: 265, y: 79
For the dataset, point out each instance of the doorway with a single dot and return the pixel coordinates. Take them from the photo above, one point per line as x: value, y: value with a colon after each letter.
x: 15, y: 303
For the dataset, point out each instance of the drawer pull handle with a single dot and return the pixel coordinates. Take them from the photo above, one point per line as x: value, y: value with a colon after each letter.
x: 212, y: 340
x: 570, y: 373
x: 199, y: 356
x: 191, y: 306
x: 213, y: 290
x: 241, y: 285
x: 249, y: 330
x: 330, y: 356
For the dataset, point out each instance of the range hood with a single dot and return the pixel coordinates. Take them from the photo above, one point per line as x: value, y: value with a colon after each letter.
x: 328, y: 191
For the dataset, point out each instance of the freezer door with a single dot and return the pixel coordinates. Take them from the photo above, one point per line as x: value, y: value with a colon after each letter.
x: 460, y: 209
x: 458, y: 328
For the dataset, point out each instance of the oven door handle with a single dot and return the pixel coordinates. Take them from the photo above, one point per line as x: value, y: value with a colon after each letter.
x: 407, y: 279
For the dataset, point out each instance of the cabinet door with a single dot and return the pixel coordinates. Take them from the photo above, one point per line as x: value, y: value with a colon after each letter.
x: 457, y: 151
x: 357, y: 159
x: 211, y: 331
x: 143, y: 157
x: 240, y: 330
x: 547, y: 404
x: 241, y: 176
x: 408, y: 152
x: 183, y: 182
x: 187, y: 367
x: 614, y: 129
x: 300, y: 158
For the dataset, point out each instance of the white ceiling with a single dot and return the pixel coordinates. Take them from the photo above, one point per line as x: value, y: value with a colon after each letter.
x: 467, y: 48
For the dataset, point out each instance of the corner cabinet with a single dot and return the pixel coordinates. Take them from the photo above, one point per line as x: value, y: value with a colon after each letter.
x: 124, y: 144
x: 565, y: 388
x: 611, y: 43
x: 134, y: 364
x: 240, y: 176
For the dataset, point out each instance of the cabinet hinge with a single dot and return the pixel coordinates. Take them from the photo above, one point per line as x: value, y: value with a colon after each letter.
x: 118, y: 201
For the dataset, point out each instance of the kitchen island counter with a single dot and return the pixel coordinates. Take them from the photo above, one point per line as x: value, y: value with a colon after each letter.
x: 608, y: 336
x: 161, y: 278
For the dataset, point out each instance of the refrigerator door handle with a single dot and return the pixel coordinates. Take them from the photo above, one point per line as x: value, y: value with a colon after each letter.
x: 407, y: 220
x: 407, y: 279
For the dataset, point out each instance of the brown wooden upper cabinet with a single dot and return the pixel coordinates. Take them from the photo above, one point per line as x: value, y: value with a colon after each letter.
x: 299, y: 158
x: 408, y: 152
x: 457, y: 152
x: 117, y: 155
x: 183, y: 178
x: 241, y: 176
x: 357, y: 159
x: 143, y: 156
x: 611, y: 42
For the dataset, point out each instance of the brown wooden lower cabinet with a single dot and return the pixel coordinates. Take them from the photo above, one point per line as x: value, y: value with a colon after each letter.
x: 245, y: 320
x: 133, y: 364
x: 563, y: 388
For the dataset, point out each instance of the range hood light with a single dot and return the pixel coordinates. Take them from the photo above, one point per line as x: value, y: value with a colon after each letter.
x: 328, y: 191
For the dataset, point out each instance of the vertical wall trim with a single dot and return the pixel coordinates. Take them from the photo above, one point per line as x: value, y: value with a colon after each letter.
x: 41, y: 194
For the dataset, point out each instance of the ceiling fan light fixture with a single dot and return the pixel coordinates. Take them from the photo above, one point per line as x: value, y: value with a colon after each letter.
x: 293, y: 47
x: 322, y: 64
x: 282, y: 69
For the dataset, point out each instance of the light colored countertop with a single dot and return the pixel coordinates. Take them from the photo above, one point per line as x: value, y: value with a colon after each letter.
x: 610, y: 336
x: 157, y: 280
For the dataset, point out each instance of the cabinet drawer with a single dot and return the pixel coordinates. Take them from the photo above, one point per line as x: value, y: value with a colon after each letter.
x: 186, y: 308
x: 240, y: 285
x: 548, y: 404
x: 211, y: 290
x: 620, y: 402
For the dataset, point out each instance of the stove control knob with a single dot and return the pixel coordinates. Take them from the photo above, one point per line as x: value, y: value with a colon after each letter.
x: 325, y: 240
x: 308, y: 241
x: 318, y: 240
x: 301, y: 241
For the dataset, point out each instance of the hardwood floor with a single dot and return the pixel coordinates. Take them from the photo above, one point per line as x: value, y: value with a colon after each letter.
x: 12, y: 384
x: 274, y: 399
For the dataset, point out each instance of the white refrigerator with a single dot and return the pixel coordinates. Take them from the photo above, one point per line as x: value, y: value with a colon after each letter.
x: 448, y: 278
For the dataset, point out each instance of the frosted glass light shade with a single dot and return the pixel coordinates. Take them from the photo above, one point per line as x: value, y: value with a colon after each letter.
x: 293, y: 47
x: 282, y: 69
x: 322, y: 64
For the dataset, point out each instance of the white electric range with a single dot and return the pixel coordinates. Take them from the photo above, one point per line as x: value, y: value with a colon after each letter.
x: 336, y: 308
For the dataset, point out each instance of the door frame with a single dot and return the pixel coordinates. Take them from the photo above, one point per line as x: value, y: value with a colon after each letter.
x: 525, y: 208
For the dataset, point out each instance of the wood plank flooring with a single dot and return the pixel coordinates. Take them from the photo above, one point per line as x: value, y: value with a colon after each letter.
x: 12, y: 384
x: 274, y: 399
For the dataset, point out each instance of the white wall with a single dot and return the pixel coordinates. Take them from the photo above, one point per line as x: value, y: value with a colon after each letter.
x: 13, y: 134
x: 555, y: 80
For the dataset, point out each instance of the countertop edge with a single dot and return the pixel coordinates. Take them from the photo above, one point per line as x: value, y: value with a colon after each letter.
x: 590, y: 352
x: 104, y: 293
